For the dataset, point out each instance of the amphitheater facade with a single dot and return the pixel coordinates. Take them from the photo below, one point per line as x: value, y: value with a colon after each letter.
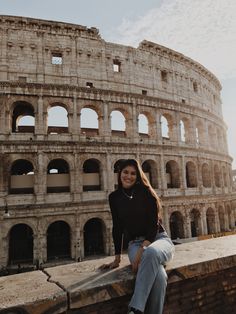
x: 149, y: 103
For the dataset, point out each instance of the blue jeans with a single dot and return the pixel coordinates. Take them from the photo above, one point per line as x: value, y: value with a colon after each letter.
x: 151, y: 279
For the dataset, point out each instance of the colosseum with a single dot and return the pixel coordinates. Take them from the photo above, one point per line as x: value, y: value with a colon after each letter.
x: 72, y: 107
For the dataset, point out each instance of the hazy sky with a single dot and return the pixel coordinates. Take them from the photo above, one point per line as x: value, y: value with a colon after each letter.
x: 204, y: 30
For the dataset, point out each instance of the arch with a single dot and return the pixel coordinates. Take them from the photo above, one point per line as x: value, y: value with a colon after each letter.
x: 182, y: 131
x: 221, y: 213
x: 172, y: 175
x: 143, y: 124
x: 57, y: 121
x: 58, y: 241
x: 23, y: 117
x: 118, y: 123
x: 20, y: 244
x: 89, y: 121
x: 58, y: 176
x: 195, y: 220
x: 165, y: 126
x: 94, y: 237
x: 150, y: 169
x: 22, y: 177
x: 211, y: 220
x: 206, y: 175
x: 191, y: 175
x: 200, y: 133
x: 217, y: 178
x: 176, y: 225
x: 91, y: 175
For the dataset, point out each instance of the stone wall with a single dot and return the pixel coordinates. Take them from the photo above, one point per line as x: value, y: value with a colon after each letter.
x: 201, y: 280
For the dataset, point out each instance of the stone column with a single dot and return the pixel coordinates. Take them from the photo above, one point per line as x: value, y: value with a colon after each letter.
x: 109, y: 174
x: 39, y: 118
x: 212, y: 178
x: 78, y: 179
x: 73, y: 60
x: 163, y: 173
x: 204, y: 222
x: 175, y: 134
x: 183, y: 183
x: 40, y: 57
x: 104, y: 122
x: 75, y: 121
x: 153, y: 130
x: 188, y: 231
x: 41, y: 178
x: 134, y: 123
x: 158, y: 128
x: 4, y: 65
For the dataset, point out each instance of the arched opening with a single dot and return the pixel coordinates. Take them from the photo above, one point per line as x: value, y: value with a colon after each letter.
x: 211, y: 222
x: 200, y: 135
x: 57, y: 120
x: 58, y: 241
x: 182, y: 131
x: 176, y: 225
x: 89, y: 122
x: 23, y: 118
x: 221, y: 212
x: 91, y: 175
x: 172, y: 175
x: 143, y: 125
x: 58, y: 176
x: 217, y: 176
x: 20, y: 245
x: 150, y: 169
x: 206, y: 176
x: 195, y: 221
x: 165, y: 132
x: 118, y: 123
x: 94, y: 231
x: 191, y: 175
x: 22, y: 177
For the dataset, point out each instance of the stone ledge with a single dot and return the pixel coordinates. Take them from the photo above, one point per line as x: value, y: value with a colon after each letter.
x: 82, y: 284
x: 32, y: 293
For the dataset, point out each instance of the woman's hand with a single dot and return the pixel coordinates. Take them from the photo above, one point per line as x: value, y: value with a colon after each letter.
x: 114, y: 264
x: 138, y: 256
x: 137, y: 260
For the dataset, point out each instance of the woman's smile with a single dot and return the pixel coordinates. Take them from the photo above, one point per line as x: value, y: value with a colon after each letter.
x: 128, y: 177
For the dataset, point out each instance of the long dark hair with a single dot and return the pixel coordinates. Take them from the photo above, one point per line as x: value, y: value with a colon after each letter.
x: 141, y: 179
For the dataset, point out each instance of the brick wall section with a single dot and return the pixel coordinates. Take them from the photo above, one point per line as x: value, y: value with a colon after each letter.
x: 214, y: 293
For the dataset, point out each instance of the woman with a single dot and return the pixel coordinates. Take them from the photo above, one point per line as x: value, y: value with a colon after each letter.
x: 135, y: 208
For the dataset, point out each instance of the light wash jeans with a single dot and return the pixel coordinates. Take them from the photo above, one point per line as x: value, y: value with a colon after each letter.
x: 151, y: 279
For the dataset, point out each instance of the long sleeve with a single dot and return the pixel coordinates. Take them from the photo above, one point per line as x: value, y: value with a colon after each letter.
x: 117, y: 228
x: 152, y: 217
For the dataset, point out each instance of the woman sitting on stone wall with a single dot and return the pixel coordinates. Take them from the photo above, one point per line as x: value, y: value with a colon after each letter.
x: 135, y: 211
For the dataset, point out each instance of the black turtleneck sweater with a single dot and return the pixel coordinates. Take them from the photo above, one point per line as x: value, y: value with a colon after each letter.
x: 134, y: 217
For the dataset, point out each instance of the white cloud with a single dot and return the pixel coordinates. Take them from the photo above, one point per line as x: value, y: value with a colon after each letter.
x: 204, y: 30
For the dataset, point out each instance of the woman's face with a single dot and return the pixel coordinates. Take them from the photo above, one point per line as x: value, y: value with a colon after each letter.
x: 128, y: 177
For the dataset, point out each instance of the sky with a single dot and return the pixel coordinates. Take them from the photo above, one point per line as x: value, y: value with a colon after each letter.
x: 204, y: 30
